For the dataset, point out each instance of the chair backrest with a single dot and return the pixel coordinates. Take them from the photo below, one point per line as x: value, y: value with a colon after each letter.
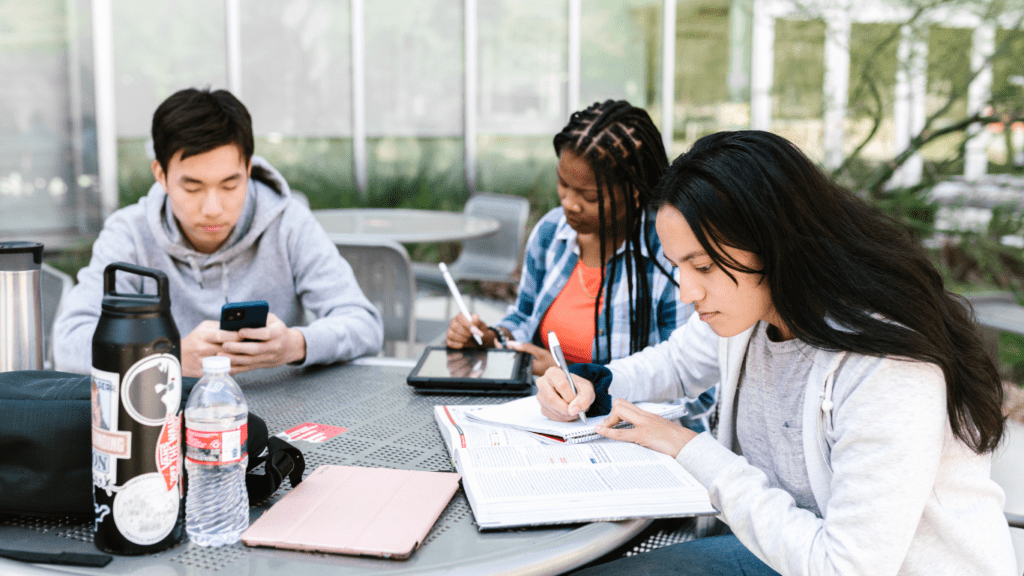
x: 53, y: 286
x: 494, y: 257
x: 384, y: 273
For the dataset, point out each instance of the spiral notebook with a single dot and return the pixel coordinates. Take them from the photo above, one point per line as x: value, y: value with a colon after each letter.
x: 524, y: 414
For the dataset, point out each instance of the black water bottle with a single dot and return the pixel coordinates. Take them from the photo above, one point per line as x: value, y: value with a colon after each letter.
x: 136, y: 419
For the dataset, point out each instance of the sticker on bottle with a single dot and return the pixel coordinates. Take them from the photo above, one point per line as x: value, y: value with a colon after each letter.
x: 108, y: 443
x: 155, y: 376
x: 144, y: 510
x: 168, y: 451
x: 223, y: 447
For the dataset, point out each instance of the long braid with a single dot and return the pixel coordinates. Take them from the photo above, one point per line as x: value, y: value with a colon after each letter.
x: 625, y: 150
x: 601, y: 291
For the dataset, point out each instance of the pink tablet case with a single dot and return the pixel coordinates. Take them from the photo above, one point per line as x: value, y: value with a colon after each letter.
x: 355, y: 510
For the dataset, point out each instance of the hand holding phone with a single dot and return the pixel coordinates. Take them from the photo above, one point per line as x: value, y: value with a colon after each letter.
x: 273, y: 343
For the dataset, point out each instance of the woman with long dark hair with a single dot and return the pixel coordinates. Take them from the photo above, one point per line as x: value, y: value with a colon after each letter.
x: 594, y: 271
x: 858, y: 409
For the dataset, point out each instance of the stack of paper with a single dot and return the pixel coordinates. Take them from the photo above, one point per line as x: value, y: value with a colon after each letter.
x: 524, y: 414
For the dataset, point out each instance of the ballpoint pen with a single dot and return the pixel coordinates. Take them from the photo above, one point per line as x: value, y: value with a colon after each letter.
x: 458, y: 300
x: 556, y: 351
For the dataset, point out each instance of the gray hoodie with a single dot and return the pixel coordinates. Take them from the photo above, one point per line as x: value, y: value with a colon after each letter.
x: 276, y: 252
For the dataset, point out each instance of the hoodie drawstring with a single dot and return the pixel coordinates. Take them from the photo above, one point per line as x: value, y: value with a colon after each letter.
x: 224, y: 280
x: 825, y: 406
x: 196, y: 273
x: 198, y: 276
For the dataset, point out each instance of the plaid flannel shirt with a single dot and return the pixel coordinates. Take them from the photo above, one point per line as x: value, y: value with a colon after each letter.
x: 551, y: 257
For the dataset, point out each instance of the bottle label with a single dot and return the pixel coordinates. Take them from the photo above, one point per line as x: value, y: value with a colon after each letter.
x: 108, y: 443
x: 210, y: 448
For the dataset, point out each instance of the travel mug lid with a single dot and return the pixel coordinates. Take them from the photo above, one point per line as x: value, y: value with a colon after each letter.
x: 20, y: 256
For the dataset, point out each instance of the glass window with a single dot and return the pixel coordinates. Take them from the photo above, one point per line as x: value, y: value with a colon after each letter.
x: 620, y: 51
x: 296, y: 83
x: 798, y: 83
x: 296, y: 67
x: 160, y: 48
x: 48, y: 184
x: 414, y: 61
x: 872, y: 90
x: 702, y: 103
x: 414, y: 104
x: 521, y: 66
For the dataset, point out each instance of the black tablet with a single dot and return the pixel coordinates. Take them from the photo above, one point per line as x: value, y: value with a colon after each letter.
x: 472, y: 371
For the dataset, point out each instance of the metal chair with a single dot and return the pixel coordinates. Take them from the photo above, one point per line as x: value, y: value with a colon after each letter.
x: 384, y: 274
x: 53, y: 286
x: 494, y: 258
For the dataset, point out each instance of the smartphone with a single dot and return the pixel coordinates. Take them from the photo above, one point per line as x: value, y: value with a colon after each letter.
x: 237, y: 315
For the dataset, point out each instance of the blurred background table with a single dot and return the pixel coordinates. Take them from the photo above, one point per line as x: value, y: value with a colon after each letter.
x: 388, y: 426
x: 404, y: 225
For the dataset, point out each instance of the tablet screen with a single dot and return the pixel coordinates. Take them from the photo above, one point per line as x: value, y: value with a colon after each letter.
x: 483, y: 364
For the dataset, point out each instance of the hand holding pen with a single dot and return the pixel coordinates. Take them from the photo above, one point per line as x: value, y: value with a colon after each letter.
x: 477, y: 334
x: 556, y: 352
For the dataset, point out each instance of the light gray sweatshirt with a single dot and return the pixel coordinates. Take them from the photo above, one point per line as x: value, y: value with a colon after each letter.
x: 277, y: 252
x: 898, y: 492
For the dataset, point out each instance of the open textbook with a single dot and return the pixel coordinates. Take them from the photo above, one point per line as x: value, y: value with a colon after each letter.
x: 513, y: 479
x: 524, y: 414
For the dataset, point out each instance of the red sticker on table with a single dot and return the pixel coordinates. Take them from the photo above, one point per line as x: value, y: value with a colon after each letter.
x: 311, y: 432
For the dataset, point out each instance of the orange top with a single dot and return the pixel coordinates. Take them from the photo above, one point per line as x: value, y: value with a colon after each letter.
x: 571, y: 315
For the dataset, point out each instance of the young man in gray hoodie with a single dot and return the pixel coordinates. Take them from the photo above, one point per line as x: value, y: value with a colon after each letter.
x: 224, y: 227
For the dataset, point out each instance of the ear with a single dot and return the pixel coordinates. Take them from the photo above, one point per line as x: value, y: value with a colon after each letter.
x: 248, y: 169
x: 158, y: 174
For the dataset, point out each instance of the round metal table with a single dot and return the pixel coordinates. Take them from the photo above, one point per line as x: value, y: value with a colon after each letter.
x: 404, y: 225
x: 388, y: 426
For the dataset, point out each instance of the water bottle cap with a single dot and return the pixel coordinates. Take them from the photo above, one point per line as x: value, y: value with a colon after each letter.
x: 216, y: 363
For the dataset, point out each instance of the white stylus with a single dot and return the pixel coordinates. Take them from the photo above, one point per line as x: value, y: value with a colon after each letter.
x: 458, y: 300
x: 556, y: 352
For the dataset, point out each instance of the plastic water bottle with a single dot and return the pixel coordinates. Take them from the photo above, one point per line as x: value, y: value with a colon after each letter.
x: 216, y: 416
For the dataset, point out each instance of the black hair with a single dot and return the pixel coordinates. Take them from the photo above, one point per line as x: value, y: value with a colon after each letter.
x: 826, y: 254
x: 625, y: 151
x: 197, y: 121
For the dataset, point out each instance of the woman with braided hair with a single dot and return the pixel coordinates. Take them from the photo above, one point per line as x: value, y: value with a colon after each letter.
x: 594, y: 271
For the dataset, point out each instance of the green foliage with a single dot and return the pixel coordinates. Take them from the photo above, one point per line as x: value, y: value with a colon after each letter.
x: 981, y: 258
x: 1011, y: 356
x: 910, y: 206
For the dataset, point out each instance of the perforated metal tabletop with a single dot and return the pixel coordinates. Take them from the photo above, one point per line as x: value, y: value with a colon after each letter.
x: 388, y: 426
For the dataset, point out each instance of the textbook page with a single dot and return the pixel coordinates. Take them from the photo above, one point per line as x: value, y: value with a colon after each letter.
x: 510, y: 486
x: 525, y: 414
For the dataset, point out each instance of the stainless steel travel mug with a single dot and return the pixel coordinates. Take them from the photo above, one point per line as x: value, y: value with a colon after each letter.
x: 21, y: 317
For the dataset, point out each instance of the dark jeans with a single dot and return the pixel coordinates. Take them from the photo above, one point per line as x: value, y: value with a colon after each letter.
x: 713, y: 555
